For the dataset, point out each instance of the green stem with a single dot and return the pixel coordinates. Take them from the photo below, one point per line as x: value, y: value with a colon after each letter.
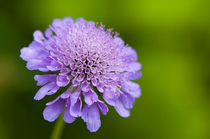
x: 57, y: 131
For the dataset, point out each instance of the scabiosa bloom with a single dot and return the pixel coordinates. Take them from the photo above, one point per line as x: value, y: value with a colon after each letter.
x: 94, y: 65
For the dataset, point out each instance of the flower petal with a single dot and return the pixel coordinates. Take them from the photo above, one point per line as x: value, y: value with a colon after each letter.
x: 48, y: 89
x: 37, y: 64
x: 52, y: 111
x: 90, y: 97
x: 68, y: 118
x: 127, y: 100
x: 93, y: 122
x: 84, y: 113
x: 131, y: 88
x: 54, y: 66
x: 104, y: 109
x: 43, y: 79
x: 75, y: 109
x: 67, y: 93
x: 85, y: 86
x: 34, y: 51
x: 110, y: 96
x: 122, y: 111
x: 62, y: 80
x: 100, y: 87
x: 36, y: 56
x: 43, y: 91
x: 53, y: 90
x: 48, y: 33
x: 129, y: 54
x: 133, y: 75
x: 57, y: 23
x: 135, y: 66
x: 75, y: 96
x: 119, y: 41
x: 53, y: 101
x: 38, y: 36
x: 68, y: 21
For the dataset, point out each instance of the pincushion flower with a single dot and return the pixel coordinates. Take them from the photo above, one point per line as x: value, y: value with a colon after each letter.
x: 93, y: 64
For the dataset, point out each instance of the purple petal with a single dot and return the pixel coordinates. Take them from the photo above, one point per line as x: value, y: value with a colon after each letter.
x: 37, y: 64
x: 68, y: 118
x: 48, y: 32
x: 127, y: 100
x: 80, y: 21
x: 94, y: 81
x: 57, y: 23
x: 27, y: 53
x: 36, y: 56
x: 109, y: 93
x: 104, y: 109
x: 93, y: 118
x: 68, y: 21
x: 48, y: 89
x: 75, y: 96
x: 43, y: 79
x: 85, y: 86
x: 65, y: 71
x: 62, y: 80
x: 110, y: 96
x: 119, y: 41
x: 135, y: 66
x: 130, y: 54
x: 75, y: 82
x: 54, y: 66
x: 38, y: 36
x: 67, y: 93
x: 90, y: 97
x: 122, y: 111
x: 43, y: 91
x: 100, y: 87
x: 53, y: 101
x: 133, y: 75
x: 76, y: 103
x: 75, y: 109
x: 34, y: 51
x: 84, y: 113
x: 131, y: 88
x: 52, y: 112
x: 53, y: 90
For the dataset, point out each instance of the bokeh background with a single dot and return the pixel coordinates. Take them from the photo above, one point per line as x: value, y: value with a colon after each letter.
x: 172, y: 38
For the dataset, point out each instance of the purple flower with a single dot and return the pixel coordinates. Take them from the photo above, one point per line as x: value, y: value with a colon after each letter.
x: 91, y: 63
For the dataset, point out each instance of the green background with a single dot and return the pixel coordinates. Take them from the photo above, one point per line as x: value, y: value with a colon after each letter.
x: 172, y: 38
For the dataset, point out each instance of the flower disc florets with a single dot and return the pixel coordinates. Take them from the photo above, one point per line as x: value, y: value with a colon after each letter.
x: 92, y: 62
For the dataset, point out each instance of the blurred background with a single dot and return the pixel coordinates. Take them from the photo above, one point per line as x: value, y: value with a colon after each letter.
x: 172, y: 38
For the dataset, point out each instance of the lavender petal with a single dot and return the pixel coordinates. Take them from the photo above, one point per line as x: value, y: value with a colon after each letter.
x: 51, y: 112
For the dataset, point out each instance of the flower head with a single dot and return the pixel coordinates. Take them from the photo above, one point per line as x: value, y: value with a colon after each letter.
x: 89, y: 61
